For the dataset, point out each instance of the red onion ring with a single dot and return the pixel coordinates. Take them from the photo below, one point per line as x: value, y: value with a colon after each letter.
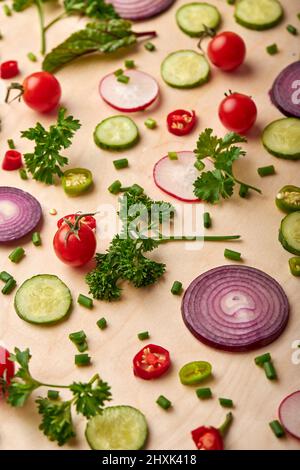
x: 140, y: 9
x: 285, y: 91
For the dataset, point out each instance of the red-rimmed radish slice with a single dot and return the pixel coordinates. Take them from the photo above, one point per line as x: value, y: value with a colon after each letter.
x: 19, y: 213
x: 285, y: 91
x: 235, y: 308
x: 136, y: 95
x: 289, y: 414
x: 176, y: 177
x: 140, y: 9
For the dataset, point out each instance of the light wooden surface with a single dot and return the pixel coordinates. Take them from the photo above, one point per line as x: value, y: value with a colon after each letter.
x: 154, y: 309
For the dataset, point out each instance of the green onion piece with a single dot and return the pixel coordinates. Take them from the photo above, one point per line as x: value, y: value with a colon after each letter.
x: 292, y: 30
x: 143, y: 335
x: 176, y: 288
x: 129, y: 64
x: 207, y: 220
x: 231, y: 2
x: 277, y: 428
x: 173, y: 155
x: 121, y: 163
x: 233, y: 255
x: 7, y: 11
x: 82, y: 347
x: 115, y: 187
x: 23, y: 174
x: 266, y: 170
x: 31, y: 56
x: 17, y: 254
x: 204, y: 393
x: 102, y: 323
x: 150, y: 123
x: 85, y: 301
x: 136, y: 189
x: 9, y: 286
x: 82, y: 360
x: 243, y: 192
x: 163, y: 402
x: 118, y: 72
x: 270, y: 370
x: 53, y: 394
x: 272, y: 49
x: 11, y: 144
x: 199, y: 165
x: 123, y: 79
x: 5, y: 276
x: 260, y: 360
x: 298, y: 16
x: 149, y: 46
x: 36, y: 239
x: 226, y: 402
x: 78, y: 337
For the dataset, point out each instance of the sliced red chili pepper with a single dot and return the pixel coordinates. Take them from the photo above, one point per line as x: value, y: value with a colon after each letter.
x: 7, y: 369
x: 207, y: 438
x: 12, y: 160
x: 151, y: 362
x: 9, y: 69
x: 88, y: 220
x: 181, y: 122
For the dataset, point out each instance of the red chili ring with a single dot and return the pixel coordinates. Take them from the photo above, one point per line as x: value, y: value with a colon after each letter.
x: 9, y: 69
x: 12, y: 160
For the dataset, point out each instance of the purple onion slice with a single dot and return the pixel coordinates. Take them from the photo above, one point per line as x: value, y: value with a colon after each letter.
x: 285, y: 91
x: 235, y: 308
x: 19, y: 213
x: 140, y: 9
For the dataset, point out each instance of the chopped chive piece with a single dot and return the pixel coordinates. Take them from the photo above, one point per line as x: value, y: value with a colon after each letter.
x: 173, y: 155
x: 53, y: 394
x: 143, y: 335
x: 82, y: 360
x: 129, y: 64
x: 85, y: 301
x: 11, y: 144
x: 277, y: 428
x: 272, y: 49
x: 23, y: 174
x: 118, y: 72
x: 233, y: 255
x: 31, y: 56
x: 123, y: 79
x: 102, y: 323
x: 176, y: 288
x: 243, y: 192
x: 5, y: 276
x: 121, y: 163
x: 231, y: 2
x: 199, y: 165
x: 207, y: 220
x: 226, y: 402
x: 149, y: 46
x: 7, y: 10
x: 78, y: 337
x: 115, y: 187
x: 150, y: 123
x: 270, y: 370
x: 292, y: 30
x: 163, y: 402
x: 136, y: 189
x: 266, y: 170
x: 9, y: 286
x: 17, y: 254
x: 82, y: 347
x: 36, y: 239
x: 260, y: 360
x: 204, y: 393
x: 298, y: 16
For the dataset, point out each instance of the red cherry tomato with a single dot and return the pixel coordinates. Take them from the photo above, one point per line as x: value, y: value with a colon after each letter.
x: 151, y: 362
x: 227, y: 51
x: 12, y: 160
x: 238, y: 112
x: 75, y: 245
x: 7, y: 368
x: 9, y: 69
x: 89, y: 220
x: 181, y: 122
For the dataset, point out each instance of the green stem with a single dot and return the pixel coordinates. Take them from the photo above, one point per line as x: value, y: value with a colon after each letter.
x: 225, y: 426
x: 58, y: 18
x: 41, y: 384
x: 241, y: 183
x: 42, y: 27
x: 205, y: 238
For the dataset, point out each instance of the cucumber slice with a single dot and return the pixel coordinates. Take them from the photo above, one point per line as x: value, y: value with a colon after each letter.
x: 258, y: 14
x: 289, y: 233
x: 193, y: 17
x: 281, y: 138
x: 43, y: 299
x: 116, y: 133
x: 117, y: 428
x: 185, y: 69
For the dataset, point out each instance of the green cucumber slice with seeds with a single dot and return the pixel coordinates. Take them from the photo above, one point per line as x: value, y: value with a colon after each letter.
x: 117, y: 428
x: 192, y: 18
x: 281, y: 138
x: 258, y: 14
x: 116, y: 133
x: 185, y: 69
x: 289, y: 233
x: 43, y: 300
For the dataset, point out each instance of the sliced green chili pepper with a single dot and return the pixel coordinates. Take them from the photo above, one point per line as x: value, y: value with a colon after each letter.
x: 295, y: 265
x: 77, y: 181
x: 194, y: 372
x: 288, y: 199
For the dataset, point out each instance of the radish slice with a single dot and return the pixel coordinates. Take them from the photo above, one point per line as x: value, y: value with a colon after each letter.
x: 19, y: 213
x: 140, y: 9
x: 285, y: 91
x: 176, y: 177
x: 235, y: 308
x: 136, y: 95
x: 289, y: 414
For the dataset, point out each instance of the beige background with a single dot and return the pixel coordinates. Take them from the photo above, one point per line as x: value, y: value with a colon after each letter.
x: 154, y: 309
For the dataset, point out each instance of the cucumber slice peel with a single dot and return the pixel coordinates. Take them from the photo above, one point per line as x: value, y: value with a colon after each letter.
x: 117, y: 428
x: 281, y: 138
x: 185, y: 69
x: 258, y: 14
x: 289, y: 233
x: 192, y: 18
x: 116, y: 133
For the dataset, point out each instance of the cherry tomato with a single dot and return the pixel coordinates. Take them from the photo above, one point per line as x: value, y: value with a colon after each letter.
x: 227, y: 51
x: 151, y: 362
x: 89, y: 220
x: 9, y: 69
x: 181, y: 122
x: 12, y: 160
x: 238, y: 112
x: 7, y: 367
x: 74, y: 244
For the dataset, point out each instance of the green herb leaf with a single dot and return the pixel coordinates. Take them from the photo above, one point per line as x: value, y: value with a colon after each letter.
x: 56, y: 420
x: 90, y: 398
x: 210, y: 186
x: 22, y: 385
x: 97, y: 9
